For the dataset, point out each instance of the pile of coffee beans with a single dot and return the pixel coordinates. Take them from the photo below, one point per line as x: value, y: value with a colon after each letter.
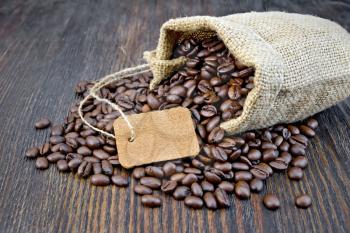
x: 214, y: 86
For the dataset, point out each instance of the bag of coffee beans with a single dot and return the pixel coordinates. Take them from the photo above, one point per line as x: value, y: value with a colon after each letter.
x: 301, y: 62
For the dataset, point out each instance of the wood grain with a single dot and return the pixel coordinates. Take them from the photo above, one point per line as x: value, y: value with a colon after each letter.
x: 46, y: 46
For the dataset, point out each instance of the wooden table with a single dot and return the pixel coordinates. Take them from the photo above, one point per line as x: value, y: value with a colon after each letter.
x: 46, y: 46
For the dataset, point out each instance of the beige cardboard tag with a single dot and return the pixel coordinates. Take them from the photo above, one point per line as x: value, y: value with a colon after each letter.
x: 160, y: 135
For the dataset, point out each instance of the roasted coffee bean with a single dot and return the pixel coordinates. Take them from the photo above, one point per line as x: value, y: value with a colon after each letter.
x: 62, y: 165
x: 42, y: 123
x: 44, y: 149
x: 207, y: 187
x: 142, y: 190
x: 243, y: 175
x: 300, y: 161
x: 85, y: 169
x: 54, y: 157
x: 189, y: 179
x: 312, y: 123
x: 42, y: 163
x: 114, y: 160
x: 278, y: 165
x: 209, y: 200
x: 154, y: 171
x: 138, y: 172
x: 177, y: 176
x: 194, y: 202
x: 300, y: 139
x: 239, y: 166
x: 150, y: 182
x: 71, y: 156
x: 97, y: 168
x: 256, y: 185
x: 181, y: 192
x: 222, y: 198
x: 242, y: 190
x: 100, y: 154
x: 56, y: 140
x: 153, y: 102
x: 286, y: 157
x: 196, y: 190
x: 213, y: 122
x: 254, y: 154
x: 32, y: 152
x: 208, y: 111
x: 152, y: 201
x: 119, y: 181
x: 303, y: 201
x: 226, y: 186
x: 84, y: 151
x: 92, y: 142
x: 295, y: 173
x: 74, y: 163
x: 297, y: 150
x: 224, y: 167
x: 271, y: 201
x: 307, y: 131
x: 100, y: 180
x: 107, y: 167
x: 216, y: 135
x: 218, y: 154
x: 212, y: 177
x: 57, y: 130
x: 269, y: 155
x: 169, y: 186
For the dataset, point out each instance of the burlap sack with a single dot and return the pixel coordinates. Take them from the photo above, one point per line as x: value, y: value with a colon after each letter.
x: 302, y: 62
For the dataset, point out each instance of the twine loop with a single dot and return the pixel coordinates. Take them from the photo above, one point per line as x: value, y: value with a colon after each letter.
x: 105, y: 81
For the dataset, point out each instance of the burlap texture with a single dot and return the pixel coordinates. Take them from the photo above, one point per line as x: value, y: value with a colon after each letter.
x: 302, y: 62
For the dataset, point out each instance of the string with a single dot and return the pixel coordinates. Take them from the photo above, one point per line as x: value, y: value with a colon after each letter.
x: 105, y: 81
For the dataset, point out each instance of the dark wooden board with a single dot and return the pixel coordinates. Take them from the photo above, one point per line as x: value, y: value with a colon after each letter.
x: 46, y: 46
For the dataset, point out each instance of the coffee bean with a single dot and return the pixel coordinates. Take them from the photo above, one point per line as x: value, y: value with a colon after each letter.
x: 154, y: 171
x: 181, y: 192
x: 208, y: 111
x: 297, y: 150
x: 242, y: 190
x: 100, y: 154
x: 216, y: 135
x: 169, y: 186
x: 32, y: 152
x: 212, y: 177
x: 141, y: 189
x: 74, y: 163
x: 151, y: 201
x: 54, y: 157
x: 210, y: 201
x: 218, y: 154
x: 56, y: 140
x: 240, y: 166
x: 254, y: 154
x: 57, y: 130
x: 42, y: 163
x: 307, y: 131
x: 194, y: 202
x: 295, y: 173
x: 226, y: 186
x: 207, y: 187
x: 100, y: 180
x: 119, y: 181
x: 243, y: 175
x: 150, y: 182
x: 177, y: 176
x: 62, y: 165
x: 278, y: 165
x: 138, y: 172
x: 97, y: 168
x: 222, y: 198
x: 92, y: 142
x: 303, y: 201
x: 152, y: 101
x: 269, y: 155
x: 312, y: 123
x: 85, y: 169
x: 107, y: 168
x: 42, y: 123
x: 189, y: 179
x: 300, y: 161
x: 256, y: 185
x: 271, y: 201
x: 44, y: 149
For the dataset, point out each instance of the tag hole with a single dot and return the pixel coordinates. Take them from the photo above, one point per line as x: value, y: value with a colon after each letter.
x: 131, y: 139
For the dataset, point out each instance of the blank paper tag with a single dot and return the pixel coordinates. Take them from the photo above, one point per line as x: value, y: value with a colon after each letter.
x: 160, y: 136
